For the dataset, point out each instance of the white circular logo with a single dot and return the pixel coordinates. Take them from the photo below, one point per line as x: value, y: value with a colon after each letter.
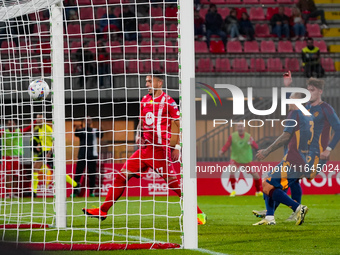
x: 149, y: 118
x: 243, y: 184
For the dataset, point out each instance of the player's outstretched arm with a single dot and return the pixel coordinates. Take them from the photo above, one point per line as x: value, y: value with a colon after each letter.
x: 279, y: 142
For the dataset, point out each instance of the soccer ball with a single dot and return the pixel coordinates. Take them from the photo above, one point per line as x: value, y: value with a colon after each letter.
x: 38, y: 90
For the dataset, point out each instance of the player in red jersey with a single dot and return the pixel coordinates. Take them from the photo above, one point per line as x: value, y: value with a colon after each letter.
x: 157, y: 113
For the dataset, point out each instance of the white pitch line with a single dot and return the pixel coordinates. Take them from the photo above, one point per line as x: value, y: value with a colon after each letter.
x: 209, y: 251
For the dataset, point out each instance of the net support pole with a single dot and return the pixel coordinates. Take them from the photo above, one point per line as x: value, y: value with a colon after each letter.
x: 58, y: 114
x: 187, y: 62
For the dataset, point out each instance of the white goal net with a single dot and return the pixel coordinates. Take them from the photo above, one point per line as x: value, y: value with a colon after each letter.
x: 61, y: 156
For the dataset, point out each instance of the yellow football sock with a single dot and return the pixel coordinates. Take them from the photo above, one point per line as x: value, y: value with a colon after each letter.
x: 35, y: 182
x: 70, y: 181
x: 48, y: 174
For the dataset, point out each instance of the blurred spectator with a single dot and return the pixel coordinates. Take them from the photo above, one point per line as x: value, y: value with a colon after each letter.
x: 309, y: 10
x: 85, y: 65
x: 311, y: 60
x: 106, y: 19
x: 199, y: 25
x: 71, y: 9
x: 214, y: 22
x: 129, y: 24
x: 233, y: 26
x: 280, y: 24
x: 103, y: 67
x: 297, y: 23
x: 246, y: 28
x: 197, y: 4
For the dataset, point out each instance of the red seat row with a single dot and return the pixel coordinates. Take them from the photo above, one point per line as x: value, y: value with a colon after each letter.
x: 256, y: 65
x: 248, y: 1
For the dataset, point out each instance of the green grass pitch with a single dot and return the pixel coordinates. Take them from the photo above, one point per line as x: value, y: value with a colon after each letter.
x: 229, y: 228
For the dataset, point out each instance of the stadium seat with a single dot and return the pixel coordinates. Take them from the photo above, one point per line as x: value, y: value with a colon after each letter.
x: 256, y: 13
x: 222, y: 65
x: 328, y: 64
x: 216, y: 47
x: 240, y: 11
x: 132, y: 66
x: 93, y: 47
x: 257, y: 65
x: 288, y: 11
x: 173, y: 31
x: 73, y: 30
x: 213, y: 1
x: 38, y: 28
x: 250, y: 2
x: 171, y: 13
x: 100, y: 12
x: 321, y: 45
x: 234, y: 47
x: 224, y: 12
x: 157, y: 13
x: 233, y: 1
x: 284, y: 47
x: 99, y: 2
x: 240, y: 65
x: 274, y: 65
x: 290, y: 2
x: 144, y: 30
x: 88, y: 31
x: 168, y: 46
x: 116, y: 11
x: 299, y: 45
x: 262, y: 30
x: 313, y: 30
x: 204, y: 65
x: 47, y: 66
x: 292, y: 64
x: 203, y: 12
x: 117, y: 1
x: 130, y: 47
x: 75, y: 45
x: 268, y: 2
x: 271, y: 11
x: 268, y: 47
x: 8, y: 47
x: 171, y: 66
x: 146, y: 47
x: 156, y: 64
x: 118, y: 67
x: 251, y: 47
x: 115, y: 47
x: 86, y: 13
x: 201, y: 47
x: 158, y: 30
x: 84, y: 2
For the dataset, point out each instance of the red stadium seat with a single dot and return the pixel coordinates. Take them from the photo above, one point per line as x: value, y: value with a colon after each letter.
x: 328, y: 64
x: 262, y: 30
x: 73, y: 30
x: 47, y: 66
x: 216, y: 47
x: 116, y: 11
x: 204, y: 65
x: 250, y: 2
x: 292, y: 64
x: 144, y: 29
x: 171, y: 13
x: 233, y: 1
x: 240, y: 11
x: 256, y: 13
x: 158, y: 30
x: 38, y: 28
x: 274, y: 65
x: 290, y: 2
x: 173, y: 31
x: 240, y: 65
x: 234, y: 47
x: 132, y: 66
x: 267, y: 2
x: 251, y: 47
x: 203, y: 12
x: 285, y: 47
x: 299, y: 45
x: 313, y: 30
x: 100, y: 12
x: 168, y: 46
x: 171, y: 66
x: 271, y: 11
x: 156, y: 66
x: 268, y: 47
x: 93, y: 48
x: 222, y: 65
x: 75, y: 45
x: 288, y: 11
x: 8, y: 47
x: 86, y: 13
x: 145, y: 47
x: 257, y: 65
x: 84, y: 2
x: 213, y: 2
x: 321, y: 45
x: 88, y: 31
x: 224, y: 12
x: 118, y: 67
x: 201, y: 47
x: 115, y: 47
x: 130, y: 47
x: 99, y: 2
x: 157, y: 13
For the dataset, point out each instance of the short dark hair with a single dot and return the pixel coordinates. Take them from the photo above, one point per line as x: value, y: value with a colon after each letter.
x: 212, y: 5
x: 309, y: 39
x: 317, y: 83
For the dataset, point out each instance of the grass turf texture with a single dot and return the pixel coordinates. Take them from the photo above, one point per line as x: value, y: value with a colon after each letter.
x: 229, y: 229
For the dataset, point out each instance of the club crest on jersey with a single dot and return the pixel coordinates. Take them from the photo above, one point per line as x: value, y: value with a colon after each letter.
x: 316, y: 114
x: 149, y: 118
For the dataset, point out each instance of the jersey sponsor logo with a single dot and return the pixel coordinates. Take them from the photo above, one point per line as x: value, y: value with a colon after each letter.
x: 244, y: 182
x: 149, y: 118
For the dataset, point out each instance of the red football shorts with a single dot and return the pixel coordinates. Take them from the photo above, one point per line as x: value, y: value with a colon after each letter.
x: 156, y: 157
x: 11, y: 165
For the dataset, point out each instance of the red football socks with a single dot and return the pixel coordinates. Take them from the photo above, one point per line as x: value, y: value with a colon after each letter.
x: 232, y: 181
x: 257, y: 185
x: 119, y: 187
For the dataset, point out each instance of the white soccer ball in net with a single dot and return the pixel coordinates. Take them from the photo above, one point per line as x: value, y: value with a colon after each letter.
x: 38, y: 90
